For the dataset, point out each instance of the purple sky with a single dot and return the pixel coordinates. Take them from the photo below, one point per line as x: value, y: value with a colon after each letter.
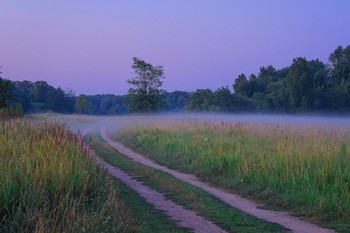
x: 88, y: 45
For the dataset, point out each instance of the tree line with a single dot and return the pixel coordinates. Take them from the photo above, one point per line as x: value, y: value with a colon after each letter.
x: 304, y: 86
x: 34, y: 97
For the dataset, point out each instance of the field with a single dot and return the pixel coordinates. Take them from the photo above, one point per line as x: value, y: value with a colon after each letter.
x: 49, y: 183
x: 188, y: 196
x: 299, y: 167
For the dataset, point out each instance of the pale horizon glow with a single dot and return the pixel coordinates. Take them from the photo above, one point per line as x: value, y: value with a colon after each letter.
x: 88, y: 45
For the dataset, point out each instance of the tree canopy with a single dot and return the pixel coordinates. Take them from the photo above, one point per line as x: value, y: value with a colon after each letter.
x: 304, y: 86
x: 4, y: 92
x: 145, y: 94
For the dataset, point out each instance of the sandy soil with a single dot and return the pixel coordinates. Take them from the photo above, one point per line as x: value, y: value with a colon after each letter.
x: 181, y: 216
x: 279, y: 217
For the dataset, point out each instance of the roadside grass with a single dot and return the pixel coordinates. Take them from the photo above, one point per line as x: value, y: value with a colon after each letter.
x: 48, y: 183
x: 303, y: 168
x: 184, y: 194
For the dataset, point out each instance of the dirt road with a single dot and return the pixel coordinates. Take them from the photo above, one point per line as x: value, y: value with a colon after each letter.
x: 282, y: 218
x: 181, y: 216
x: 184, y: 218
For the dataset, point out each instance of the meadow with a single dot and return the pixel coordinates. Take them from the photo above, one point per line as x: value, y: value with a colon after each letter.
x: 48, y: 183
x: 298, y: 167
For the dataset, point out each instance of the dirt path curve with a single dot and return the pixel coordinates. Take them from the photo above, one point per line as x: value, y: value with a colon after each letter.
x: 279, y: 217
x: 183, y: 217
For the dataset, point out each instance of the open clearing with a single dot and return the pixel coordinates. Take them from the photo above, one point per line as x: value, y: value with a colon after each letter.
x: 115, y: 123
x: 282, y: 218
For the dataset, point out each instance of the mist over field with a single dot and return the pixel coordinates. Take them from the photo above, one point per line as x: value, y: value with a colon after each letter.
x: 254, y: 118
x: 113, y: 123
x: 261, y: 118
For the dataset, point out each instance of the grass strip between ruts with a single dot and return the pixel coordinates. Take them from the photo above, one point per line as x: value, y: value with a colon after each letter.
x: 185, y: 194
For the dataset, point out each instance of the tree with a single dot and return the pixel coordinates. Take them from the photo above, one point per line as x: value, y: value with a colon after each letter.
x: 340, y: 73
x: 176, y: 100
x: 321, y: 81
x: 4, y: 92
x: 300, y: 85
x: 223, y: 99
x: 278, y: 95
x: 266, y: 75
x: 107, y: 104
x: 41, y: 89
x: 340, y: 63
x: 145, y: 95
x: 201, y: 100
x: 241, y: 85
x: 83, y: 104
x: 69, y: 100
x: 56, y: 99
x: 24, y: 91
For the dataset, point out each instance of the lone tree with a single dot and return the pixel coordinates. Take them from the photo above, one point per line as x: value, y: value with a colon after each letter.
x: 145, y: 95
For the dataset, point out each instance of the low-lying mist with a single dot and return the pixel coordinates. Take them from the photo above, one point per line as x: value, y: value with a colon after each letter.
x: 262, y: 118
x: 113, y: 123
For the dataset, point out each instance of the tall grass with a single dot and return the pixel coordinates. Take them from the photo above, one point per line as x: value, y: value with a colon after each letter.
x: 47, y: 184
x: 301, y: 167
x: 11, y: 112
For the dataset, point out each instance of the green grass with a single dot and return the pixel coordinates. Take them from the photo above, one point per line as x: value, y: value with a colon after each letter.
x: 146, y: 218
x: 187, y: 195
x: 48, y: 184
x: 304, y: 168
x: 11, y: 112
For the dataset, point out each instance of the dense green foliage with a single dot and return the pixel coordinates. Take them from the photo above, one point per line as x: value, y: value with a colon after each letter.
x: 145, y: 95
x: 176, y: 100
x: 108, y: 105
x: 304, y: 168
x: 9, y: 107
x: 40, y: 97
x: 5, y: 93
x: 222, y: 100
x: 303, y: 86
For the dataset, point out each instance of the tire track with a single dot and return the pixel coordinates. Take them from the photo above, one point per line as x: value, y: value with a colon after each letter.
x: 181, y: 216
x: 283, y: 218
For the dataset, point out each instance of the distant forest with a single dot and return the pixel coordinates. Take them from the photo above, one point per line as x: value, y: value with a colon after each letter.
x: 304, y: 86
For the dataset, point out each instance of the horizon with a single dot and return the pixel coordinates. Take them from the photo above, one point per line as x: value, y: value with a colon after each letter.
x: 88, y: 46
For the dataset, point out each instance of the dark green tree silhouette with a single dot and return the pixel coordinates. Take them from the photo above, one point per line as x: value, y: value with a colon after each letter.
x: 4, y: 92
x: 82, y: 104
x: 145, y: 95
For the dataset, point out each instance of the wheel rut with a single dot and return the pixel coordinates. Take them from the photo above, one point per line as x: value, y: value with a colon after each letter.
x: 283, y: 218
x: 181, y: 216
